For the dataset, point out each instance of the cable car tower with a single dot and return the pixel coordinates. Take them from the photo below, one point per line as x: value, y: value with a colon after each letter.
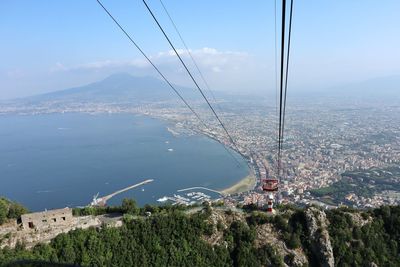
x: 271, y: 185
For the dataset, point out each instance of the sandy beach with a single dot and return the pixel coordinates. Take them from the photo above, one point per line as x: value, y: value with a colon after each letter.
x: 247, y: 183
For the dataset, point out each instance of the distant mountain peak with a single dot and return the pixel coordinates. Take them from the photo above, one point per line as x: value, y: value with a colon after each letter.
x: 120, y: 86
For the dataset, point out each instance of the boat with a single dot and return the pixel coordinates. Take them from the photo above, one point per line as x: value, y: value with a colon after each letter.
x: 163, y: 199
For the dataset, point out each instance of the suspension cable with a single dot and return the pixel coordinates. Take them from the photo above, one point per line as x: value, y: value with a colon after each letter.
x: 287, y: 68
x: 161, y: 74
x: 276, y: 84
x: 191, y: 76
x: 191, y: 56
x: 284, y: 79
x: 281, y: 85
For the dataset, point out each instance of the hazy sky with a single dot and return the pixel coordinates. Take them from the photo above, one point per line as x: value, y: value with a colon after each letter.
x: 50, y: 45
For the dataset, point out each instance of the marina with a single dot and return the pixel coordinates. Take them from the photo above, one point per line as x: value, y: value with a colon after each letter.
x: 188, y: 199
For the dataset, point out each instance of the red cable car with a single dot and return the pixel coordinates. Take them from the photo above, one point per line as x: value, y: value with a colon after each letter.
x: 270, y: 185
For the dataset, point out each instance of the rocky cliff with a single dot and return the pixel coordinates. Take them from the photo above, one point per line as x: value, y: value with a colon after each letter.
x: 319, y: 236
x: 224, y: 236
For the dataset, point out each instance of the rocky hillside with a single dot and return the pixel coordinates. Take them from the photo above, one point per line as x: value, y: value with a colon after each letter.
x: 220, y: 236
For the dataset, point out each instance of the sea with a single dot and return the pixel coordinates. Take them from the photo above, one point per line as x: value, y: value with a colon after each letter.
x: 62, y: 160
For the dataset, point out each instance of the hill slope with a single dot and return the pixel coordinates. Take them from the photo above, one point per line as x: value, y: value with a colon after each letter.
x: 217, y: 236
x: 117, y: 87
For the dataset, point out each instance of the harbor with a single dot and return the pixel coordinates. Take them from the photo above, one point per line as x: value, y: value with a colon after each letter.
x: 191, y: 196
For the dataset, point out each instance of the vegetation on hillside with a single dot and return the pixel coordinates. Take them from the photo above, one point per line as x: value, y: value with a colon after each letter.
x: 169, y: 237
x: 10, y: 210
x: 378, y: 240
x: 173, y: 236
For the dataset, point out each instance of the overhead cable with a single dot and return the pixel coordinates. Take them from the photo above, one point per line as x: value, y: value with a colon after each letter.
x: 151, y: 62
x: 160, y: 73
x: 190, y: 54
x: 191, y: 76
x: 284, y: 78
x: 287, y: 68
x: 281, y: 84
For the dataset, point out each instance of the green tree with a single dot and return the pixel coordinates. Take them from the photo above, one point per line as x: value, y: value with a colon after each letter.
x: 3, y: 211
x: 129, y: 206
x: 16, y: 210
x: 294, y: 241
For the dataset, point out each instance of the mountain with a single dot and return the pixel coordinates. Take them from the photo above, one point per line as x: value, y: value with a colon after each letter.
x: 118, y: 87
x: 218, y: 236
x: 123, y: 87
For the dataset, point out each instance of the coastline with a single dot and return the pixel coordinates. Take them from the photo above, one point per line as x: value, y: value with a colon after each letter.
x: 246, y: 184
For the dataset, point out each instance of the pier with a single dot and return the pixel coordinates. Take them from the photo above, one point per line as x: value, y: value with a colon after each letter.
x: 102, y: 201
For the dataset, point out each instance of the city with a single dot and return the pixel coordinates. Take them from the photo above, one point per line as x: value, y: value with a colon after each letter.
x: 322, y: 143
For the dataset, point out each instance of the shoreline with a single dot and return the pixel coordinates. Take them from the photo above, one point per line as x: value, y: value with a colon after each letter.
x: 246, y: 184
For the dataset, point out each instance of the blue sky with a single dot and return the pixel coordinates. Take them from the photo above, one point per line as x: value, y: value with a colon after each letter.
x: 50, y: 45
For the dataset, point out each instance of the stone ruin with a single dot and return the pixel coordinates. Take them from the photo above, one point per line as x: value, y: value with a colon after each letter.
x: 41, y: 227
x: 47, y: 219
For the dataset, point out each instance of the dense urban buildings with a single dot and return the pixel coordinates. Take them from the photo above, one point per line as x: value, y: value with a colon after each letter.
x: 329, y: 146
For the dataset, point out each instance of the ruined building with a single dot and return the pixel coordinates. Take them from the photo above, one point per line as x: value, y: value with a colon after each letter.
x: 46, y: 219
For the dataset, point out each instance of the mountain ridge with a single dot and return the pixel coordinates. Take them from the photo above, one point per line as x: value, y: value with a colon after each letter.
x: 117, y: 87
x: 215, y: 235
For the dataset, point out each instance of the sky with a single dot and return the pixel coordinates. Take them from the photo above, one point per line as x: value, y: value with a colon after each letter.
x: 49, y: 45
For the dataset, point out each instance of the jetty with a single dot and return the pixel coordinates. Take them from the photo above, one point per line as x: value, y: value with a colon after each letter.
x: 102, y: 201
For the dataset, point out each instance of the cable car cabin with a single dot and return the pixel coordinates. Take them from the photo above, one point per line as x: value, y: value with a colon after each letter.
x: 270, y: 185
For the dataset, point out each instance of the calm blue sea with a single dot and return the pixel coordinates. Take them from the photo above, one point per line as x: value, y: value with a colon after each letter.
x: 58, y: 160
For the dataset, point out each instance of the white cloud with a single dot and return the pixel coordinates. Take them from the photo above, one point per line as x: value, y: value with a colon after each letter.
x: 229, y: 70
x: 208, y: 58
x: 105, y: 64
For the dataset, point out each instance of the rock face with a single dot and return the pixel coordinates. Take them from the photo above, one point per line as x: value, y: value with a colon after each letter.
x: 220, y: 219
x: 267, y: 234
x: 358, y: 219
x: 319, y: 236
x: 8, y: 227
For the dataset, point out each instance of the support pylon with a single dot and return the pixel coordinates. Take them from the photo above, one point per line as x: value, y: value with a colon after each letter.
x: 270, y: 208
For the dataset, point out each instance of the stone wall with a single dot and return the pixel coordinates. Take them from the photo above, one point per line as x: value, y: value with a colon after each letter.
x: 46, y: 219
x: 10, y: 236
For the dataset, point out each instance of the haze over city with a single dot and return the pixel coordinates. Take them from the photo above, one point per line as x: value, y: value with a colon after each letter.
x: 48, y: 46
